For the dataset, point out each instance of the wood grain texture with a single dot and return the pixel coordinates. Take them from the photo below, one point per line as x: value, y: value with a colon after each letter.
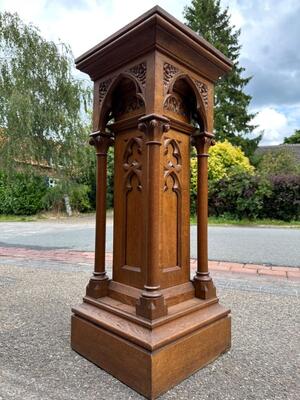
x: 153, y: 100
x: 149, y: 372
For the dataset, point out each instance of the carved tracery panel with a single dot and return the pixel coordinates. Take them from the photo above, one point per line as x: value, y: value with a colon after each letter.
x: 139, y: 71
x: 203, y: 90
x: 169, y: 72
x: 173, y: 102
x: 172, y: 226
x: 103, y: 88
x: 132, y: 198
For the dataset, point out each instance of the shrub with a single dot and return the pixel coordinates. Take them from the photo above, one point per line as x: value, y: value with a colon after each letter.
x: 239, y: 196
x: 88, y: 178
x: 278, y: 162
x: 110, y: 178
x: 78, y: 196
x: 54, y: 199
x: 225, y: 161
x: 284, y: 199
x: 21, y: 193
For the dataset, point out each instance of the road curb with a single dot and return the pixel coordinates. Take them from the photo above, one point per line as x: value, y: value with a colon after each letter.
x: 255, y: 269
x: 75, y: 256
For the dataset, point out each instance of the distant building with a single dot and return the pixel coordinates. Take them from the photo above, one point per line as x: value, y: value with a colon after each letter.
x: 293, y: 149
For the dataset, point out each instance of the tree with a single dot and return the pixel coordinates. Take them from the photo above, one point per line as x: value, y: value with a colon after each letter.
x: 294, y: 138
x: 232, y: 119
x: 42, y: 105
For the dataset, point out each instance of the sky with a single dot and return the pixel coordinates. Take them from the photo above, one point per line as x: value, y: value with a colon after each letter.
x: 270, y: 35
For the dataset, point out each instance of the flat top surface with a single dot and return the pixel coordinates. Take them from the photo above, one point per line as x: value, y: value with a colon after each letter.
x: 37, y: 363
x: 277, y: 246
x: 164, y: 14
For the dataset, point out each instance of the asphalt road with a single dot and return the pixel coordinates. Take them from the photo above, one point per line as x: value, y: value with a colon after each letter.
x: 277, y: 246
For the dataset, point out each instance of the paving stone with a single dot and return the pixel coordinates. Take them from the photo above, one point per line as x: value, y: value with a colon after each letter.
x: 291, y: 269
x: 281, y: 274
x: 257, y: 266
x: 244, y: 270
x: 293, y: 275
x: 220, y: 267
x: 213, y: 264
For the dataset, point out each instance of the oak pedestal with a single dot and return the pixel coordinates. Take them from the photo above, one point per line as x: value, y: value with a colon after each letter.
x: 150, y: 325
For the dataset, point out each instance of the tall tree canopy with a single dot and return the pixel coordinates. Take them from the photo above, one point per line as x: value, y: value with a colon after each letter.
x: 41, y: 104
x: 232, y: 119
x: 294, y: 138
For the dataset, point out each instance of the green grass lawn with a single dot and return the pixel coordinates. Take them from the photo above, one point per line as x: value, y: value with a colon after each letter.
x: 211, y: 220
x: 18, y: 218
x: 247, y: 222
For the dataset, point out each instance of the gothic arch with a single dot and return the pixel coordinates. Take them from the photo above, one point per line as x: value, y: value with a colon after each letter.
x: 108, y: 88
x: 199, y: 91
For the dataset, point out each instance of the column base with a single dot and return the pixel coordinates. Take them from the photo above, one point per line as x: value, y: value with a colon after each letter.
x: 151, y: 308
x: 204, y: 288
x: 140, y: 353
x: 97, y: 287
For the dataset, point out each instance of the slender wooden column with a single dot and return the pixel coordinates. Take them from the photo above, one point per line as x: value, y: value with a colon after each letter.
x: 204, y: 287
x: 98, y: 284
x: 151, y: 304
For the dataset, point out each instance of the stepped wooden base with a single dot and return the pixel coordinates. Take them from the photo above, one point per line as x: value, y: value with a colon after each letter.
x: 150, y: 356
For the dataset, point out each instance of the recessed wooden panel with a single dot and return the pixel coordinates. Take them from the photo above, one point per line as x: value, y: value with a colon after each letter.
x: 128, y: 209
x: 174, y: 258
x: 171, y: 229
x: 133, y: 225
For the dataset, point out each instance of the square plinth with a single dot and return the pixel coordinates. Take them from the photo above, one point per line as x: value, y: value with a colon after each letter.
x: 151, y: 359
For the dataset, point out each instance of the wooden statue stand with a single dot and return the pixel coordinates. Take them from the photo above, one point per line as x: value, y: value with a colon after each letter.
x: 151, y: 326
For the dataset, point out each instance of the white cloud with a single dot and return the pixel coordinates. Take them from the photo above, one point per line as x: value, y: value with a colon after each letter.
x: 84, y: 26
x: 237, y: 19
x: 276, y: 124
x: 30, y: 10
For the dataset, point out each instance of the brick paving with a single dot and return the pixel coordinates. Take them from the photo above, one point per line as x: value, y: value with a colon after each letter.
x: 87, y: 257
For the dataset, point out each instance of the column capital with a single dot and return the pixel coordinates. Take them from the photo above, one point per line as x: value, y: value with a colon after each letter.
x: 101, y: 141
x: 153, y: 125
x: 202, y: 141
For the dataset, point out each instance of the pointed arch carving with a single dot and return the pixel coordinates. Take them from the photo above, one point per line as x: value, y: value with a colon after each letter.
x: 137, y: 75
x: 132, y: 163
x: 173, y: 192
x: 173, y: 164
x: 173, y: 102
x: 176, y: 163
x: 171, y: 175
x: 132, y: 199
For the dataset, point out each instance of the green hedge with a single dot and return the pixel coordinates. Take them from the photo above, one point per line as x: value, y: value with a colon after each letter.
x: 78, y: 196
x: 284, y: 200
x: 238, y: 196
x: 27, y: 194
x: 21, y: 194
x: 247, y: 196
